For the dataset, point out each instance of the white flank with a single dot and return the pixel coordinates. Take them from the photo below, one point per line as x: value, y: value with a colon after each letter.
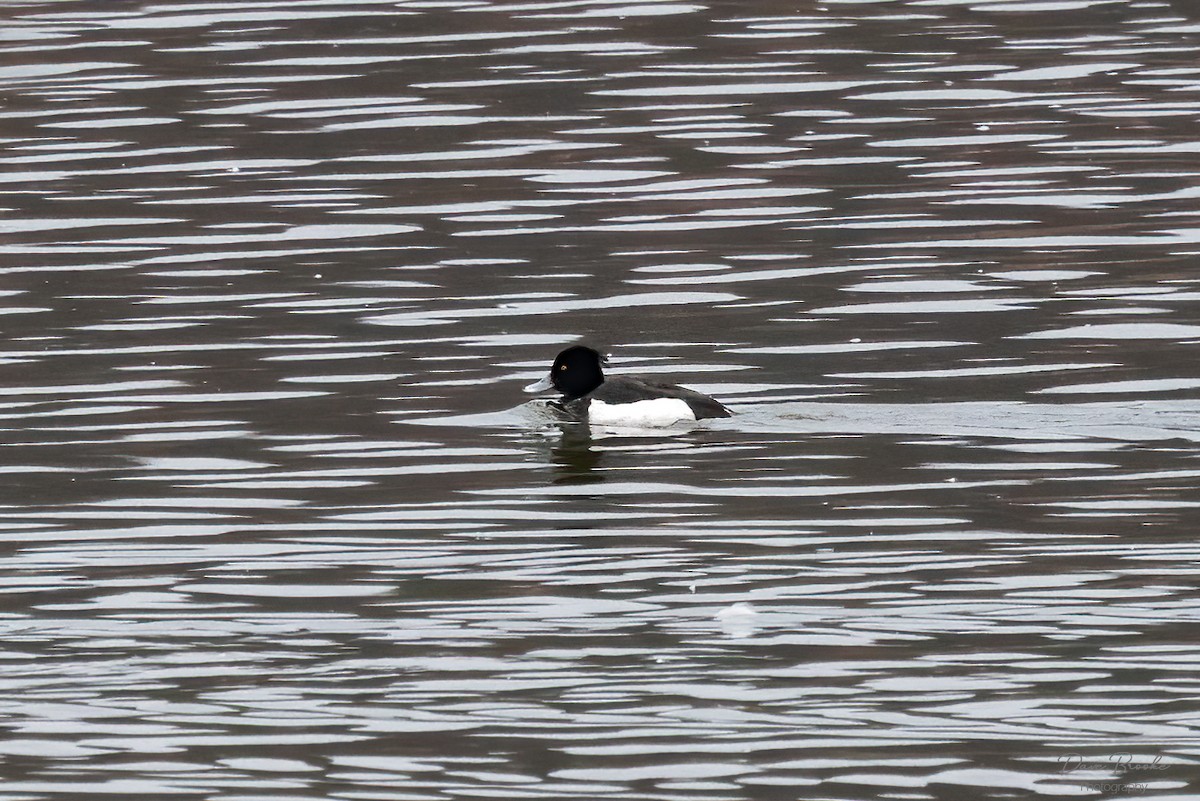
x: 648, y: 413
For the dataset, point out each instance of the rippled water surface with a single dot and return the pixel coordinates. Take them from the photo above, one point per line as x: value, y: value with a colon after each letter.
x: 278, y: 522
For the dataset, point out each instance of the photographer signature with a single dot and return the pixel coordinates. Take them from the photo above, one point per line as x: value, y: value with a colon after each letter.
x: 1121, y: 763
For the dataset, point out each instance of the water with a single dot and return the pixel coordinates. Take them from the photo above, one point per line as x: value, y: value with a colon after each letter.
x: 278, y: 523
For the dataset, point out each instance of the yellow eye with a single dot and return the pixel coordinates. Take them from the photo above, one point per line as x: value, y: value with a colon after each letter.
x: 562, y: 367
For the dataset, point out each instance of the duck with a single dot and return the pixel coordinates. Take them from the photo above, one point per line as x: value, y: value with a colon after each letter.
x: 587, y: 395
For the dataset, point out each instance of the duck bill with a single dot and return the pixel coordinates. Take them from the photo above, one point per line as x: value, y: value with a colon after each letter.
x: 540, y: 386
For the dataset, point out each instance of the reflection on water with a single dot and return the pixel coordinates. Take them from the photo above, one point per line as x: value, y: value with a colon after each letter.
x: 277, y: 524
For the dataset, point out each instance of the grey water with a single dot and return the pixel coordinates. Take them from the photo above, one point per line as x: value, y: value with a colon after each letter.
x: 278, y: 523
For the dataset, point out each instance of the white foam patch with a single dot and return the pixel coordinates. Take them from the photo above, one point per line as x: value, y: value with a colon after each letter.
x: 643, y: 413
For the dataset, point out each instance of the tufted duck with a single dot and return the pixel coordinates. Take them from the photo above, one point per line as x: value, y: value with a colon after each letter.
x: 623, y: 400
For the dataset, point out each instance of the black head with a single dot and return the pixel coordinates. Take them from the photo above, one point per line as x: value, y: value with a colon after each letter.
x: 576, y: 371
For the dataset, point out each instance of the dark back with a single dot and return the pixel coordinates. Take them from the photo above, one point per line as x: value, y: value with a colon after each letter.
x: 628, y: 389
